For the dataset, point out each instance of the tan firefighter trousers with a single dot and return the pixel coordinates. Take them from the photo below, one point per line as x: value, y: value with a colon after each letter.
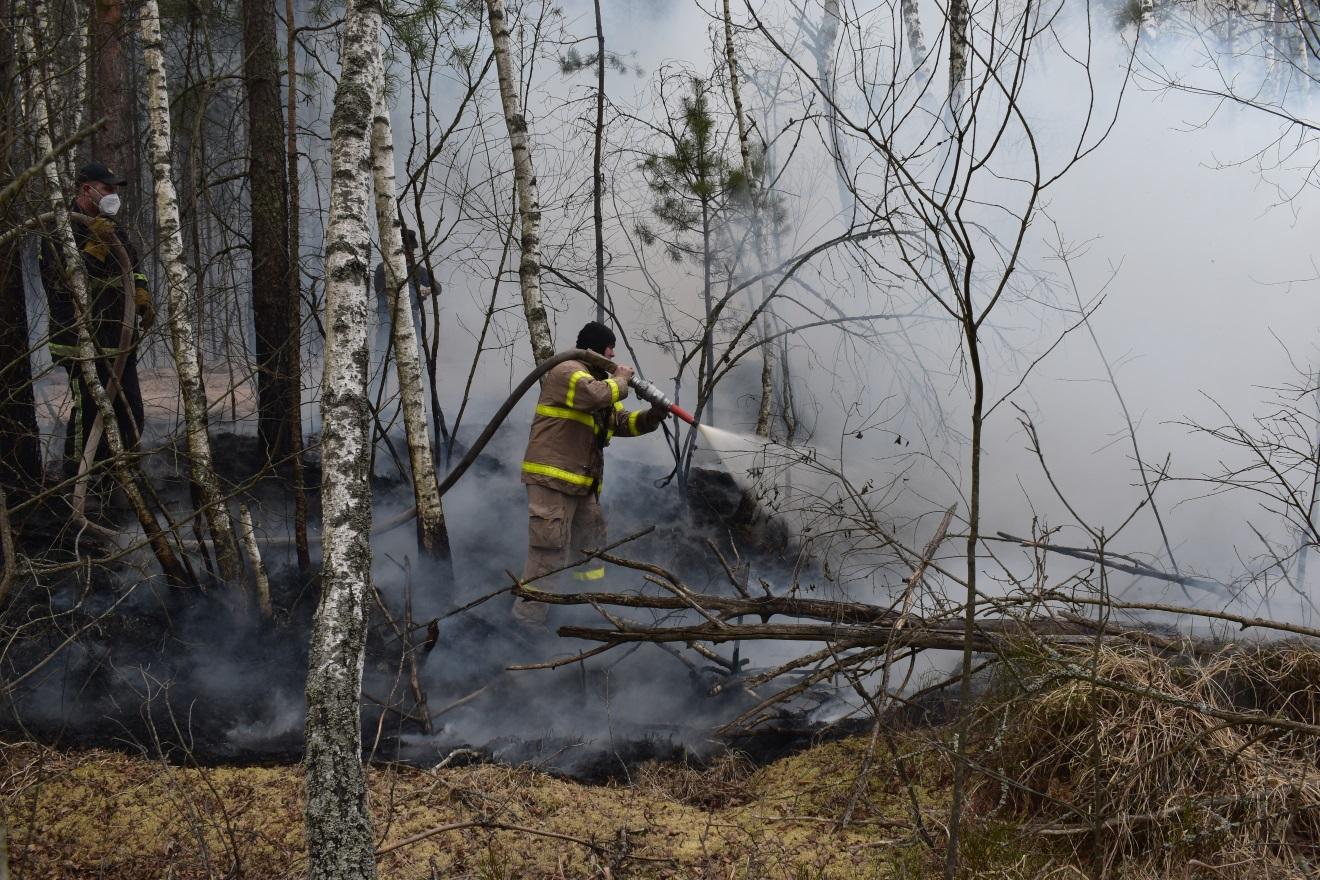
x: 557, y: 523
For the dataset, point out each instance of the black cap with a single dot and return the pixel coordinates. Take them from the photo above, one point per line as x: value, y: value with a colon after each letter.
x: 95, y: 171
x: 595, y: 336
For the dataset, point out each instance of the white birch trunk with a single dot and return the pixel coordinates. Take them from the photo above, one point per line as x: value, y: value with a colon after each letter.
x: 915, y: 38
x: 1300, y: 25
x: 431, y: 532
x: 529, y: 203
x: 340, y: 843
x: 78, y: 92
x: 77, y: 275
x: 260, y: 580
x: 957, y: 54
x: 827, y: 36
x: 181, y: 295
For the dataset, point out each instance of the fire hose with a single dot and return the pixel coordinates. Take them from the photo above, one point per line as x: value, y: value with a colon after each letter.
x: 643, y: 389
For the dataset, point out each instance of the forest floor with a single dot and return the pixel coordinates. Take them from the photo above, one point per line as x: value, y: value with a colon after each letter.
x: 1068, y: 780
x: 106, y: 814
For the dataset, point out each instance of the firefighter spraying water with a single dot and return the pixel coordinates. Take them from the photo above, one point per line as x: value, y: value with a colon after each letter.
x: 579, y: 411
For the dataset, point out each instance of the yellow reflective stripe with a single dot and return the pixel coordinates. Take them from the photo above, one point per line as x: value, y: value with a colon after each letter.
x: 632, y: 422
x: 563, y: 412
x: 614, y: 390
x: 591, y: 574
x: 546, y: 470
x: 572, y: 385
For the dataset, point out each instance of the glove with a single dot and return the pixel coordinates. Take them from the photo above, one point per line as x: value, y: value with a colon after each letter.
x: 146, y: 311
x: 101, y: 234
x: 103, y: 230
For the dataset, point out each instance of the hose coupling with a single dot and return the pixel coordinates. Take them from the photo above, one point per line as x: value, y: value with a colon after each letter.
x: 648, y: 392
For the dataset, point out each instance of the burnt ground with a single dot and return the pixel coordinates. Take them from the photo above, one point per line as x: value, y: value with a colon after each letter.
x: 108, y: 655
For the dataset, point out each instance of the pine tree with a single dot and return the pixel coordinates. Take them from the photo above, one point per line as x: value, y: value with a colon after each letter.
x: 693, y: 182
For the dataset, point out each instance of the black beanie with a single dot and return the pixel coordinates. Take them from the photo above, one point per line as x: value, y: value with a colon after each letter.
x: 596, y: 337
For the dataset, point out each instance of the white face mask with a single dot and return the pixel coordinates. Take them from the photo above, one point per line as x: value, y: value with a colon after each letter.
x: 109, y: 204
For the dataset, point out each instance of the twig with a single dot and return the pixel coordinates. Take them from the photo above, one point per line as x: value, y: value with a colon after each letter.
x: 728, y: 570
x: 1243, y: 621
x: 1130, y: 567
x: 597, y: 848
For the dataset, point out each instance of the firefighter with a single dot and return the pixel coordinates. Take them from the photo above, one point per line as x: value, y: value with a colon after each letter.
x: 419, y: 283
x: 97, y: 197
x: 579, y: 411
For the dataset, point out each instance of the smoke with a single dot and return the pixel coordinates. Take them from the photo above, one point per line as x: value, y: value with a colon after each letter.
x: 1208, y: 293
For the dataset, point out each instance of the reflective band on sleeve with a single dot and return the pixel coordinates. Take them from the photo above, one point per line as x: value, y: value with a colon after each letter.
x: 563, y: 412
x: 572, y: 385
x: 632, y: 422
x: 591, y: 574
x: 614, y: 390
x: 65, y: 351
x: 546, y: 470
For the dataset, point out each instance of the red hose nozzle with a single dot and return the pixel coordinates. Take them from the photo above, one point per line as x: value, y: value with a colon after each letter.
x: 682, y: 414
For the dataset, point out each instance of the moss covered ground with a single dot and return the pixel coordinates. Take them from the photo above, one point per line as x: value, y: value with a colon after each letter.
x: 106, y: 814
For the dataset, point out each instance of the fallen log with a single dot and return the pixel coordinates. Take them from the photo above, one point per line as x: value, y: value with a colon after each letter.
x: 764, y: 607
x: 991, y: 635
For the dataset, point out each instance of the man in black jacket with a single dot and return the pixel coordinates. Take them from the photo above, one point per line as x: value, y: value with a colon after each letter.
x: 98, y: 198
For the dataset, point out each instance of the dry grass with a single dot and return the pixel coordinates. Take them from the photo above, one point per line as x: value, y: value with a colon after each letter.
x: 1130, y: 779
x: 1140, y: 780
x: 101, y: 814
x: 723, y: 783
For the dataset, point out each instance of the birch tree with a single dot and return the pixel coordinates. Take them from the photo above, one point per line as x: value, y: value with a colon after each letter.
x: 20, y: 470
x: 340, y: 843
x: 524, y: 176
x: 825, y: 39
x: 958, y: 18
x: 432, y: 535
x: 181, y: 298
x: 915, y: 38
x: 77, y: 275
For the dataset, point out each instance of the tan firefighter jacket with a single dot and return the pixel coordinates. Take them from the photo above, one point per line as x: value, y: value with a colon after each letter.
x: 577, y: 415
